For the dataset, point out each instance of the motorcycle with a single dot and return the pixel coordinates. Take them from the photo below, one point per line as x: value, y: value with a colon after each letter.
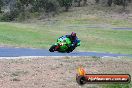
x: 63, y: 45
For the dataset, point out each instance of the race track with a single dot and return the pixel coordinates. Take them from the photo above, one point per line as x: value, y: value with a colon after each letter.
x: 17, y: 52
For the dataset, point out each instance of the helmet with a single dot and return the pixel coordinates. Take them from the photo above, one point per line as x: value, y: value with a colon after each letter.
x: 73, y: 34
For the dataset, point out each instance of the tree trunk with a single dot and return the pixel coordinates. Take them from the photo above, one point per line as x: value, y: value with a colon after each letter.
x: 66, y: 8
x: 85, y: 2
x: 129, y: 1
x: 124, y: 4
x: 1, y: 4
x: 79, y: 3
x: 110, y: 2
x: 0, y: 10
x: 97, y: 1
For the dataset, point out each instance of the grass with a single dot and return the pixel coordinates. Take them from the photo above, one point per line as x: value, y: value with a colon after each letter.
x: 117, y: 86
x: 93, y: 30
x: 25, y: 37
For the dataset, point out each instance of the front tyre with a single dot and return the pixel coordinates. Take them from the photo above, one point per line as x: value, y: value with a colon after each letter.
x: 52, y: 48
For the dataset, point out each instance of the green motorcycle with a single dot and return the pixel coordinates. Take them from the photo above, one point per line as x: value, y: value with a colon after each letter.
x: 63, y: 45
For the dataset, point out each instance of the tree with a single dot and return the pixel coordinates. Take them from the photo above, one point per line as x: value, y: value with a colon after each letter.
x: 65, y: 3
x: 84, y: 2
x: 109, y: 2
x: 1, y: 4
x: 46, y: 5
x: 129, y: 1
x: 79, y: 3
x: 124, y: 3
x: 97, y: 1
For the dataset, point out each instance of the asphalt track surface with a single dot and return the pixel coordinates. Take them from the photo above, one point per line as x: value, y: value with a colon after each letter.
x: 122, y: 28
x: 18, y: 52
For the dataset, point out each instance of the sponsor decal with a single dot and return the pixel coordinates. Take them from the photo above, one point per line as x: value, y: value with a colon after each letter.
x: 82, y: 77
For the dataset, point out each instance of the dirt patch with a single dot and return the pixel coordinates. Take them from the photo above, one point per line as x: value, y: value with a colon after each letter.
x: 56, y: 72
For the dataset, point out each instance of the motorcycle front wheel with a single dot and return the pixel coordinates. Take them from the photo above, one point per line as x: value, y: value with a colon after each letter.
x: 52, y: 48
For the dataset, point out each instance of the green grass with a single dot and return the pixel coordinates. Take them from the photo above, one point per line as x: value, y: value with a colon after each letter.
x: 23, y: 36
x: 117, y: 86
x: 42, y: 34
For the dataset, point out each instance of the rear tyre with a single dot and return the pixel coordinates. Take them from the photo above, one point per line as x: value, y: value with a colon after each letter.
x: 81, y: 80
x: 52, y: 48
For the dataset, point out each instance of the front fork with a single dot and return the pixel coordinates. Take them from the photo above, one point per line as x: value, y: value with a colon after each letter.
x: 57, y: 46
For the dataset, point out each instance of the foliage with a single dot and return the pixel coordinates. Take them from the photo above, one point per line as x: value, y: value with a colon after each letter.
x: 45, y: 5
x: 65, y: 3
x: 118, y: 2
x: 1, y: 4
x: 117, y: 86
x: 9, y: 16
x: 22, y: 8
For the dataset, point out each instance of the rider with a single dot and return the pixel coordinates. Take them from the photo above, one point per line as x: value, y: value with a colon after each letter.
x: 74, y: 40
